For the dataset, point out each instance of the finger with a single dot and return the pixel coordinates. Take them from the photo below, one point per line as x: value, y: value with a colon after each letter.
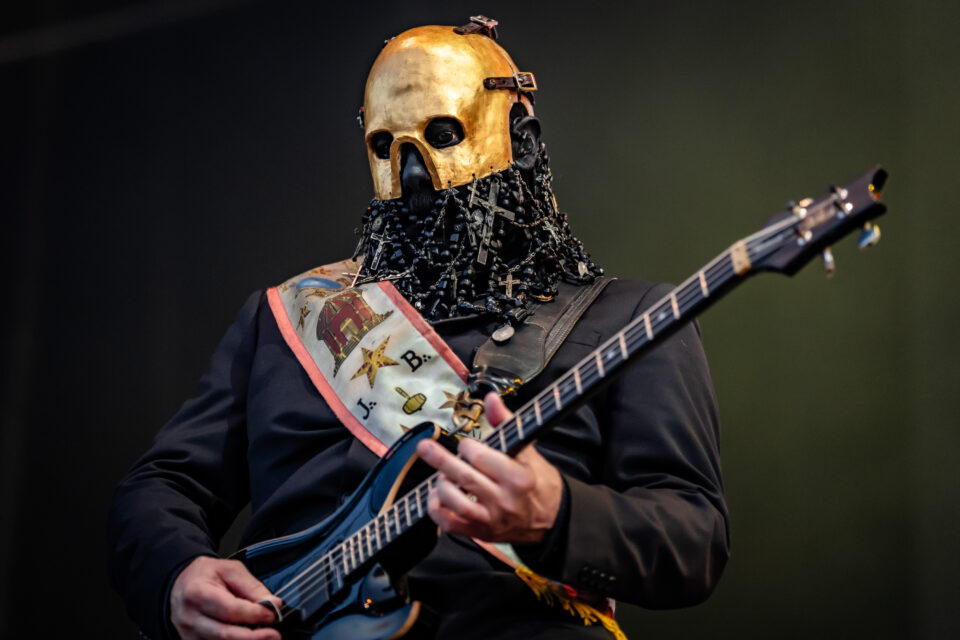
x: 243, y: 583
x: 458, y: 471
x: 455, y: 500
x: 223, y: 606
x: 447, y: 520
x: 215, y: 630
x: 495, y: 409
x: 498, y: 467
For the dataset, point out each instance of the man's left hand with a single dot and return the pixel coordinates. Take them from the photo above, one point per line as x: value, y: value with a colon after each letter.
x: 495, y: 497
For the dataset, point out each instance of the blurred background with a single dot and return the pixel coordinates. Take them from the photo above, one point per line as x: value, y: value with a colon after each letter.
x: 160, y: 161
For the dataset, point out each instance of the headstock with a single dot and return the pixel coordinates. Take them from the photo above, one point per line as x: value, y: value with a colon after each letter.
x: 791, y: 239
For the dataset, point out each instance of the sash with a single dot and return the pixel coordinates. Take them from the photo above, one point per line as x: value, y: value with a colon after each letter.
x: 379, y: 365
x: 383, y: 369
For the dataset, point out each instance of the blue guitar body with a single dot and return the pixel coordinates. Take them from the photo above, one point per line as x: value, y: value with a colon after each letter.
x: 365, y: 600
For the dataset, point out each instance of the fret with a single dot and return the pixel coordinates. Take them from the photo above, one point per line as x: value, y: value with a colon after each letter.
x: 328, y: 575
x: 536, y: 410
x: 503, y: 440
x: 406, y: 505
x: 381, y: 521
x: 346, y: 558
x: 418, y: 503
x: 673, y: 303
x: 703, y: 284
x: 519, y: 420
x: 576, y: 379
x: 361, y: 538
x: 623, y: 346
x: 646, y: 324
x: 376, y: 532
x: 338, y: 574
x: 556, y: 397
x: 599, y: 360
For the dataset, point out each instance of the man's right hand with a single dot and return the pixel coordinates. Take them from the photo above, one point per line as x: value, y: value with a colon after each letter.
x: 212, y: 598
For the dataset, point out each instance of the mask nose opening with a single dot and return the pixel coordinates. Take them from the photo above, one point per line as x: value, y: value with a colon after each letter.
x: 414, y: 176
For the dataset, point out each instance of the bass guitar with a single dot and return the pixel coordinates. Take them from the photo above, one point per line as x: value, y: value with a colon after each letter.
x: 342, y: 578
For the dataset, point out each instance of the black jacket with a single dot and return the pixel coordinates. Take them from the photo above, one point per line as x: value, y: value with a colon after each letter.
x: 644, y: 519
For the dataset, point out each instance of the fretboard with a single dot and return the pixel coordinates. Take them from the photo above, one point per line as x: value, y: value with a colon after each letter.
x: 662, y: 318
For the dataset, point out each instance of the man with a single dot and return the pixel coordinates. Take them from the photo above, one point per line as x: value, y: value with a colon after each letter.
x: 621, y: 499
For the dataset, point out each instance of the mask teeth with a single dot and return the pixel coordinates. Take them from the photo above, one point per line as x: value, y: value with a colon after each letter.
x: 459, y: 259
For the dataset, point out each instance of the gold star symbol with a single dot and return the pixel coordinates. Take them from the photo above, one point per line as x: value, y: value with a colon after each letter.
x: 304, y: 312
x: 372, y: 361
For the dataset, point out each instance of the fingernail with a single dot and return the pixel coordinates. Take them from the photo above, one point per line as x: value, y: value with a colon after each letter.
x: 425, y: 449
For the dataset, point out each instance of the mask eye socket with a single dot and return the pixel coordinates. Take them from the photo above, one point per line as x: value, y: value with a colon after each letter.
x: 443, y: 132
x: 380, y: 143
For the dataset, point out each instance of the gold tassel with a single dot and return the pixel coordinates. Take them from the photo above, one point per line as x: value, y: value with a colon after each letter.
x: 554, y: 596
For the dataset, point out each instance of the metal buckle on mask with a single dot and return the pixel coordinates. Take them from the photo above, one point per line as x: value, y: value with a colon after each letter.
x: 479, y: 24
x: 524, y: 80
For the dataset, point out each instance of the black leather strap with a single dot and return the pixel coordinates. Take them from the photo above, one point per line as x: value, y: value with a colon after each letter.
x: 517, y: 361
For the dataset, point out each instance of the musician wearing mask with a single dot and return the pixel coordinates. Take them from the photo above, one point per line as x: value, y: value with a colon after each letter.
x: 467, y: 298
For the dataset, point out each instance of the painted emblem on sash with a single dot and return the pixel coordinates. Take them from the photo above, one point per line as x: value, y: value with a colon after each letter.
x: 413, y: 403
x: 373, y: 359
x: 344, y: 320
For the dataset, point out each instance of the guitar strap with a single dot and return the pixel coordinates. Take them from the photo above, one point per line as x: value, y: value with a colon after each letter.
x: 383, y: 369
x: 520, y: 357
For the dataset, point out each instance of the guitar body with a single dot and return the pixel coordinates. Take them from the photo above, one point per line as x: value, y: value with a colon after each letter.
x: 362, y: 601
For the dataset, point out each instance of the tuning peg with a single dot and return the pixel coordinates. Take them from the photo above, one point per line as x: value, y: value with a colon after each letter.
x: 829, y: 265
x: 869, y: 236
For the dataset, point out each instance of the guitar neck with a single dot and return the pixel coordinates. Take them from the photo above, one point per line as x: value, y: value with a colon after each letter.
x: 668, y: 314
x: 665, y: 316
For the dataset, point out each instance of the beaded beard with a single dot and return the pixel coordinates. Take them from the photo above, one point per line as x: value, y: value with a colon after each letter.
x: 489, y: 247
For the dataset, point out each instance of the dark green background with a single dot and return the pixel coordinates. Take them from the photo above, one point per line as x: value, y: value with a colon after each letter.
x: 160, y: 162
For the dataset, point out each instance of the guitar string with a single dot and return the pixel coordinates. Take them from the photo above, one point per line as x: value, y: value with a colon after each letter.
x: 316, y: 575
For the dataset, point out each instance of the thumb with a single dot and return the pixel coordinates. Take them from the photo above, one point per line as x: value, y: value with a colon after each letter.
x: 244, y: 585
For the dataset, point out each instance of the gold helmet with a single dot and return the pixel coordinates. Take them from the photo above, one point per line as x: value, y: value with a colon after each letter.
x: 435, y: 72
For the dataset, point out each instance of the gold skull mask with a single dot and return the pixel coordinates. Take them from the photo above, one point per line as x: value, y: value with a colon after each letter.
x: 435, y: 72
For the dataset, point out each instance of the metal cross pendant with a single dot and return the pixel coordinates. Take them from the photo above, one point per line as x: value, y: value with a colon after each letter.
x: 382, y: 240
x: 492, y: 212
x: 552, y: 230
x: 508, y: 283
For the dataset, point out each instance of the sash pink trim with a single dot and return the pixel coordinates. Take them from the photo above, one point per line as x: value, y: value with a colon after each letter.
x: 293, y: 341
x: 425, y: 329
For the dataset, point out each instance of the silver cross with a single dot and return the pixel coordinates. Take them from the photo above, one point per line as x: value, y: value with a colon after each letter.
x: 382, y: 240
x: 508, y: 283
x: 492, y: 211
